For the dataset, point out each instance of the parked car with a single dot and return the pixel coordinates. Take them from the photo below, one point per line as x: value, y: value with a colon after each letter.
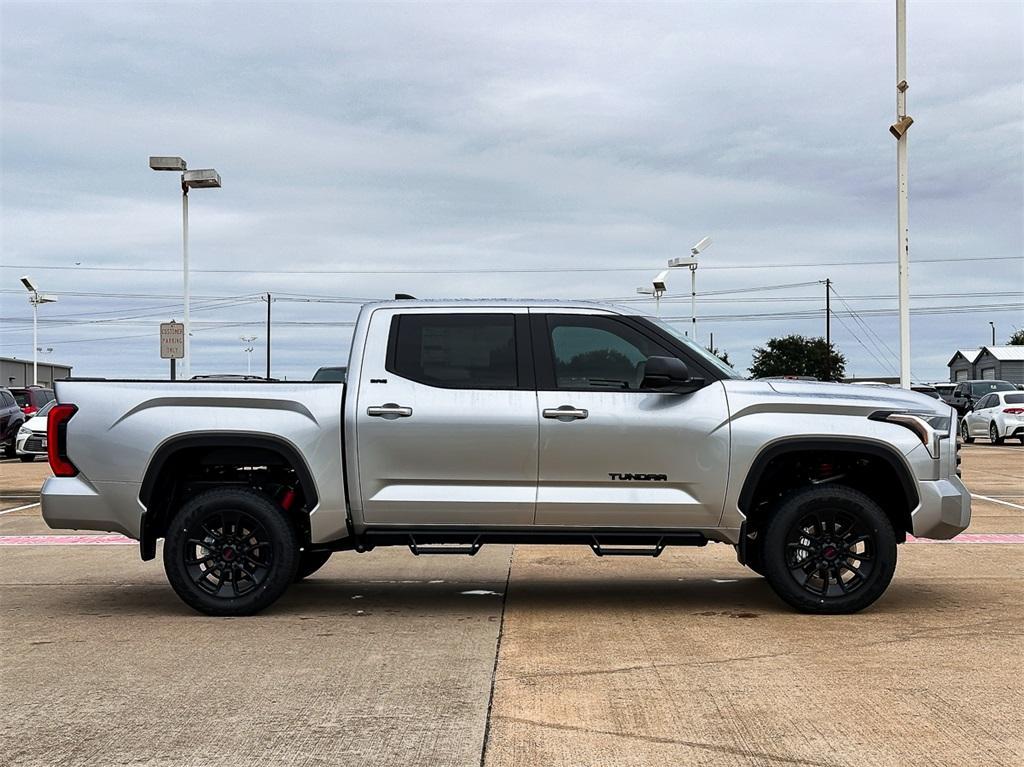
x: 967, y: 393
x: 466, y: 423
x: 31, y: 439
x: 11, y: 419
x: 32, y: 398
x: 330, y: 375
x: 926, y: 389
x: 945, y: 390
x: 998, y: 416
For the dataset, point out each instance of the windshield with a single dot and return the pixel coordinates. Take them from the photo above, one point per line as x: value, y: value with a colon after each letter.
x: 41, y: 413
x: 707, y: 357
x: 979, y: 389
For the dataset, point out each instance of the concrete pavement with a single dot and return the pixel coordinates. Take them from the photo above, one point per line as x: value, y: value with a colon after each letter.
x: 382, y: 659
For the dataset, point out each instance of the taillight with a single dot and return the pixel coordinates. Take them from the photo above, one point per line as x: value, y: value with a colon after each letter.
x: 1013, y: 410
x: 29, y: 410
x: 57, y: 439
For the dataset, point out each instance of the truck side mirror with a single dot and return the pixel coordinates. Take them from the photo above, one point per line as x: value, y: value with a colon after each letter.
x: 668, y: 374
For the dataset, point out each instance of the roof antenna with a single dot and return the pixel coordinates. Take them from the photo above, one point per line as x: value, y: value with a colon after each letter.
x: 404, y: 297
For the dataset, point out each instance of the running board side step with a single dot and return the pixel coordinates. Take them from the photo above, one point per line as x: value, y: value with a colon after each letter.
x: 468, y: 550
x: 638, y: 551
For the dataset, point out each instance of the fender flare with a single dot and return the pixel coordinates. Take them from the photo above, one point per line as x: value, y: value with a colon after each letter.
x: 228, y: 441
x: 781, y: 447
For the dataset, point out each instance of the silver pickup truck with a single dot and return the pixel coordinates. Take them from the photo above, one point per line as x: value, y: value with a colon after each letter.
x: 463, y: 423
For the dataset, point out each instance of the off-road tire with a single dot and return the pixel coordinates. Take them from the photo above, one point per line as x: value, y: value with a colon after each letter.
x: 792, y: 548
x: 310, y: 562
x: 197, y: 545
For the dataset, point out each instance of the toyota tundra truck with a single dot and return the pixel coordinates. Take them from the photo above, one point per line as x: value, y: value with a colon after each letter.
x: 466, y: 423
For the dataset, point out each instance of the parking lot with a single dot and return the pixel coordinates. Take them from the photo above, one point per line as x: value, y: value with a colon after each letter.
x: 524, y: 656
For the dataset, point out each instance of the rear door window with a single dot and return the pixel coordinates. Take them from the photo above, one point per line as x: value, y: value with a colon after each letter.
x: 455, y: 351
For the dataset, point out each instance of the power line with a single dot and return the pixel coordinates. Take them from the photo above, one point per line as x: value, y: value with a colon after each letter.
x: 524, y: 270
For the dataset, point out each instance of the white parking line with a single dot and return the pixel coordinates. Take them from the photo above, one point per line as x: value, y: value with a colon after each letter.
x: 19, y: 508
x: 996, y: 500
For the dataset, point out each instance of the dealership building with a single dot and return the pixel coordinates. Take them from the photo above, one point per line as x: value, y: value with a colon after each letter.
x: 16, y: 373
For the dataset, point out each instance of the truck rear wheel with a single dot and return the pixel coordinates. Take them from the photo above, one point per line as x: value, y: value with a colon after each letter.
x: 829, y: 549
x: 230, y: 551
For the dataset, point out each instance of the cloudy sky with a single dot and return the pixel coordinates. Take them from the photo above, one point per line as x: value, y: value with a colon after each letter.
x: 505, y: 150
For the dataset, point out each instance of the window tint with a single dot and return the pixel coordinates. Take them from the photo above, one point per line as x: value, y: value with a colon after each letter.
x: 6, y: 400
x: 979, y: 388
x: 21, y: 398
x: 1013, y: 399
x: 984, y: 402
x: 599, y: 353
x: 456, y: 351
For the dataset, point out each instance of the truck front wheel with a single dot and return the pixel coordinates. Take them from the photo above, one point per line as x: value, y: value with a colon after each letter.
x: 829, y: 549
x: 230, y: 551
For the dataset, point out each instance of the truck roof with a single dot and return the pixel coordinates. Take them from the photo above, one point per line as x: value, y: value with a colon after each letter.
x: 507, y: 303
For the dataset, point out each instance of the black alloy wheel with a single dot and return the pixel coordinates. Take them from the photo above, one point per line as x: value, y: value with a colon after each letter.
x: 230, y: 551
x: 829, y: 549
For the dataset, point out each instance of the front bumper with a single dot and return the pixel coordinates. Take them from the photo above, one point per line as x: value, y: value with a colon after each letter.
x: 33, y: 443
x: 944, y: 510
x: 75, y: 503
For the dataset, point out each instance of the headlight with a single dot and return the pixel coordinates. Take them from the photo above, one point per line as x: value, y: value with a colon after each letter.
x: 24, y: 432
x: 929, y: 427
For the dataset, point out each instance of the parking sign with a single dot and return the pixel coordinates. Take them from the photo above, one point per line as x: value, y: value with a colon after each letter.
x: 172, y: 340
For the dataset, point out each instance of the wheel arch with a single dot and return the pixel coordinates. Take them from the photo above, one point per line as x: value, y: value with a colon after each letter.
x: 896, y: 493
x: 221, y: 448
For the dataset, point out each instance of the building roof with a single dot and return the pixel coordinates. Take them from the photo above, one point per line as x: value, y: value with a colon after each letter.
x: 1005, y: 353
x: 968, y: 354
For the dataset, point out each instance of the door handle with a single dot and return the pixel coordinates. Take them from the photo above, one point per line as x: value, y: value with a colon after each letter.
x: 565, y: 413
x: 389, y: 410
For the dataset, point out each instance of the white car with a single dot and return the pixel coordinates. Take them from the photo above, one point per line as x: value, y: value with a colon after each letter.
x: 31, y: 439
x: 998, y: 415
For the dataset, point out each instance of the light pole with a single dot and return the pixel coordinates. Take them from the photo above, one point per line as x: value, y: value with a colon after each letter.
x: 657, y: 290
x: 691, y: 263
x: 993, y: 332
x: 248, y: 352
x: 190, y: 179
x: 35, y: 298
x: 899, y: 130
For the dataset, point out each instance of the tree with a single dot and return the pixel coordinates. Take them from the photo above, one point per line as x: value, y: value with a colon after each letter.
x: 721, y: 354
x: 1017, y: 338
x: 798, y: 356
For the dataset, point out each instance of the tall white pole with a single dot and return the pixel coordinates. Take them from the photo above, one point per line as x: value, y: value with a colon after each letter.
x: 693, y: 302
x: 35, y: 340
x: 184, y: 263
x: 902, y: 232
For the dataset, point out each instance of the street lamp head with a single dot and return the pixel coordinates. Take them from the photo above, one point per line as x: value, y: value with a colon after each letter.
x: 700, y: 246
x: 676, y: 263
x: 658, y: 283
x: 167, y: 163
x: 645, y: 291
x: 201, y: 179
x: 29, y: 285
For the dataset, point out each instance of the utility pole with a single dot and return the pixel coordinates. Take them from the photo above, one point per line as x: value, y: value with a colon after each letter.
x: 269, y: 301
x: 899, y: 130
x: 828, y: 328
